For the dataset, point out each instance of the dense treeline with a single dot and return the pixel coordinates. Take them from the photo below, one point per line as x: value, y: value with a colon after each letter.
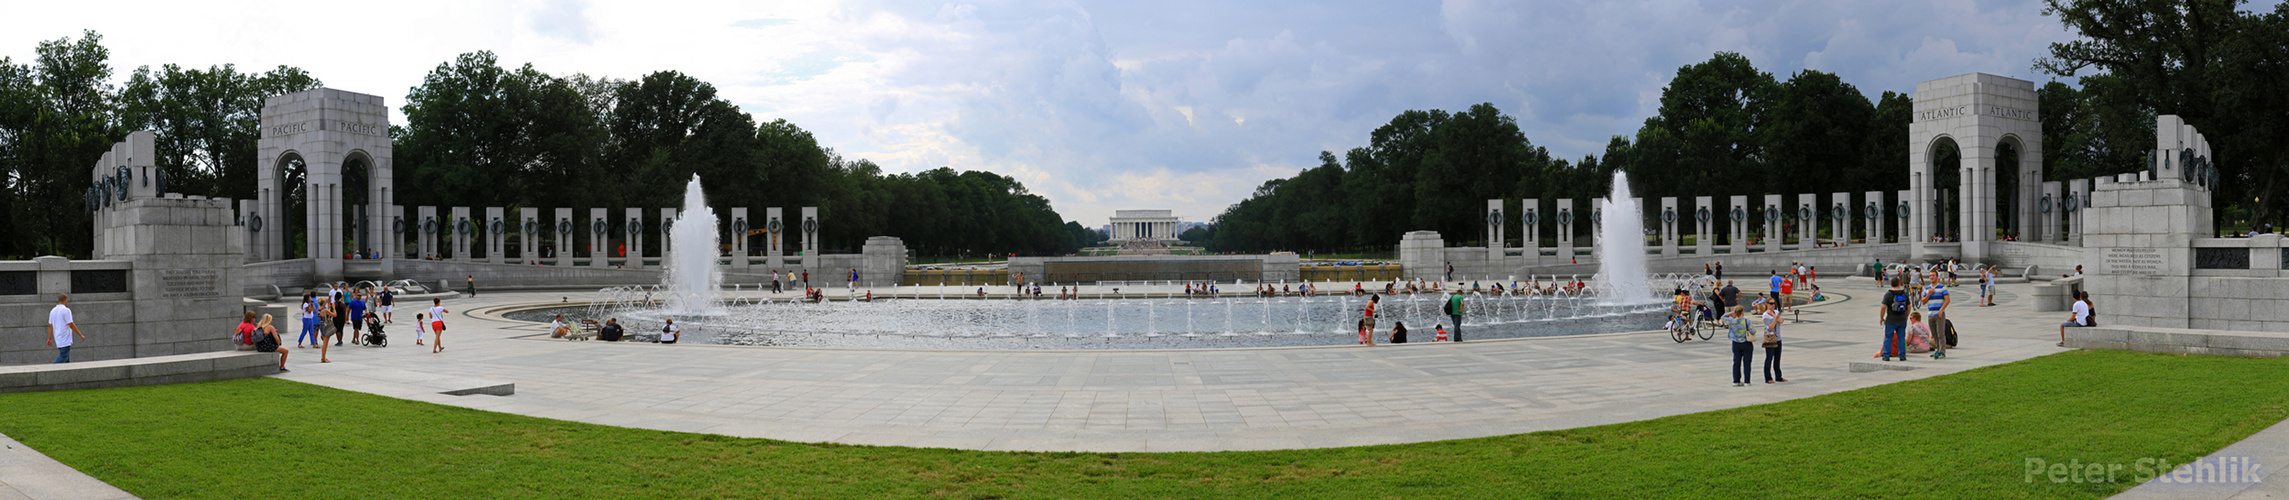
x: 480, y: 135
x: 1725, y: 128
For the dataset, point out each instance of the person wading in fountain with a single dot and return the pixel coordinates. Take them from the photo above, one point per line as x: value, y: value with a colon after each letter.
x: 1454, y: 311
x: 1367, y: 323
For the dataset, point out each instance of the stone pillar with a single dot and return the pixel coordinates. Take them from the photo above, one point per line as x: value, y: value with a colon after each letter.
x: 1807, y: 221
x: 599, y: 239
x: 1565, y: 220
x: 246, y: 235
x: 459, y: 233
x: 1704, y: 219
x: 1740, y: 225
x: 324, y: 195
x: 1840, y: 222
x: 430, y: 229
x: 1669, y: 217
x: 1905, y: 212
x: 1494, y: 225
x: 565, y: 228
x: 399, y: 225
x: 2048, y: 209
x: 775, y: 234
x: 1422, y: 254
x: 635, y: 230
x: 739, y: 240
x: 1874, y: 215
x: 2077, y: 203
x: 1530, y: 221
x: 1772, y: 232
x: 496, y: 239
x: 1916, y: 203
x: 667, y: 234
x: 2141, y: 256
x: 528, y: 235
x: 810, y: 228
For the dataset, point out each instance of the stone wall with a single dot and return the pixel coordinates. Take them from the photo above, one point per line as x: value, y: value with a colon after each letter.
x: 1254, y: 268
x: 2140, y: 247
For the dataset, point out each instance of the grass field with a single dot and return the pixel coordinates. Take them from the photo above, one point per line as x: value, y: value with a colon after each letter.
x: 1954, y: 436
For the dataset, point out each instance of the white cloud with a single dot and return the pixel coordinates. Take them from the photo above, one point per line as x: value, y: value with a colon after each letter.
x: 1179, y: 104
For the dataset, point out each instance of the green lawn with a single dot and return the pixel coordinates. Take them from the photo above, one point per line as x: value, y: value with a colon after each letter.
x: 1955, y: 436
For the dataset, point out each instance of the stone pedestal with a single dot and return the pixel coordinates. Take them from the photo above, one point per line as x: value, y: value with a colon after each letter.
x: 667, y: 234
x: 740, y: 224
x: 1873, y: 212
x: 2077, y: 204
x: 1771, y: 218
x: 1704, y: 220
x: 1494, y: 225
x: 2050, y: 208
x: 1807, y: 214
x: 810, y: 228
x: 431, y: 233
x: 528, y: 234
x: 1565, y: 217
x: 1840, y: 221
x: 2140, y: 246
x: 1738, y: 219
x: 564, y: 227
x: 463, y: 229
x: 496, y: 236
x: 636, y: 230
x: 599, y: 239
x: 1530, y: 220
x: 885, y: 261
x: 774, y: 239
x: 1422, y: 254
x: 183, y: 277
x: 1668, y: 216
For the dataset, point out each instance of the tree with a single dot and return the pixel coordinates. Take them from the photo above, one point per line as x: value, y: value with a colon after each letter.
x: 71, y: 125
x: 207, y: 123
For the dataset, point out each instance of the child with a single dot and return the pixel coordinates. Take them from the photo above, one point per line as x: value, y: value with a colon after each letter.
x: 419, y: 327
x: 1442, y: 329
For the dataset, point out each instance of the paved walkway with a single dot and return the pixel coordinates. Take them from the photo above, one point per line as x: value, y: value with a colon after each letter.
x: 1156, y: 400
x: 28, y: 474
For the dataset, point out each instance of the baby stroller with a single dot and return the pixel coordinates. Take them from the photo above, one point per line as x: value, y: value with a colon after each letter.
x: 374, y: 336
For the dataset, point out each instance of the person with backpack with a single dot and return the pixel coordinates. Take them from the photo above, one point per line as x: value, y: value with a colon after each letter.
x: 1454, y: 311
x: 1891, y: 311
x: 244, y: 337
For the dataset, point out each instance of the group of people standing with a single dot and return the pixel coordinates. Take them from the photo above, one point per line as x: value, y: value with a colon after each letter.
x: 341, y: 311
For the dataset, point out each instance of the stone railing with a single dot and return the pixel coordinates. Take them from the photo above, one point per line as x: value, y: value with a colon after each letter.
x: 153, y: 370
x: 2258, y: 257
x: 2179, y: 341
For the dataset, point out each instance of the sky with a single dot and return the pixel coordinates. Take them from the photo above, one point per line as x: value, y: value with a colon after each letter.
x: 1097, y: 105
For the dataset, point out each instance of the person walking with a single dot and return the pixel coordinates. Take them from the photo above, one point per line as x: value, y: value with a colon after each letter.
x: 266, y: 340
x: 1367, y: 321
x: 1772, y: 346
x: 806, y: 283
x: 472, y: 285
x: 1720, y: 270
x: 1936, y: 300
x: 357, y: 317
x: 1738, y: 330
x: 62, y: 329
x: 1731, y: 296
x: 1450, y: 272
x: 328, y: 328
x: 1774, y: 285
x: 436, y: 323
x: 775, y: 282
x: 1891, y: 311
x: 309, y: 320
x: 1454, y: 311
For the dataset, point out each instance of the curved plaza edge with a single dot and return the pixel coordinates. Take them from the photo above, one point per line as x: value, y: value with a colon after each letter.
x: 1208, y: 399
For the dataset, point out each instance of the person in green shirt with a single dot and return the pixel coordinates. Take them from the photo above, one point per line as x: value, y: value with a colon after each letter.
x: 1454, y: 311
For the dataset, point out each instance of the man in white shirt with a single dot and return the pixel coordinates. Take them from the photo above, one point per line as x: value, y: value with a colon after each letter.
x: 668, y: 334
x: 62, y: 329
x: 2080, y: 317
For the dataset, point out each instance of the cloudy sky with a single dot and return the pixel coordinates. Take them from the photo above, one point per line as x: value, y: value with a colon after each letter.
x: 1098, y: 105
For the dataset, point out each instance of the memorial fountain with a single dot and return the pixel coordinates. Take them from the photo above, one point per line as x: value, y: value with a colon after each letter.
x: 693, y: 279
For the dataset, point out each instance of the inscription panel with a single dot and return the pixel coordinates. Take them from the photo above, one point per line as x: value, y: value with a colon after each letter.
x: 189, y: 283
x: 2133, y: 261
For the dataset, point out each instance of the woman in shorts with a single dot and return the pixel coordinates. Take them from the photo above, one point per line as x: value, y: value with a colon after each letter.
x: 266, y: 340
x: 437, y: 324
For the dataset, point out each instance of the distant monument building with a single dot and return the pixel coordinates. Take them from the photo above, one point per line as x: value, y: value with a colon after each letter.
x: 1144, y: 226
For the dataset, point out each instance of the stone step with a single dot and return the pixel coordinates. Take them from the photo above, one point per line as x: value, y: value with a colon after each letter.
x: 1875, y: 366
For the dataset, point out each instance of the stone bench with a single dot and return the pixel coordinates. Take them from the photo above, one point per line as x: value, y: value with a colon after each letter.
x: 2179, y: 340
x: 154, y: 370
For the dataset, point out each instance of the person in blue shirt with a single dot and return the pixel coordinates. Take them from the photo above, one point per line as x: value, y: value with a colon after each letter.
x: 1775, y: 291
x: 1935, y: 301
x: 357, y: 315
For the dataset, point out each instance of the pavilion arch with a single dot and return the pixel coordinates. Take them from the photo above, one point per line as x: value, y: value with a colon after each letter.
x: 346, y: 204
x: 1985, y: 116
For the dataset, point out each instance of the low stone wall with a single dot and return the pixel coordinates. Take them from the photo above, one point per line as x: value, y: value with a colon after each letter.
x: 1832, y: 262
x: 1254, y: 268
x: 2050, y: 261
x: 154, y: 370
x: 2179, y: 341
x: 2057, y: 294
